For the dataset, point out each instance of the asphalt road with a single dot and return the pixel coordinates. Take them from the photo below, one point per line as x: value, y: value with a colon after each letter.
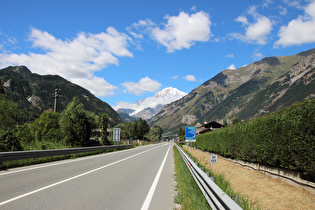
x: 140, y: 178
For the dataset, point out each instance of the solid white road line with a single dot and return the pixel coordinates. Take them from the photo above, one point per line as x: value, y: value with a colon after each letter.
x: 29, y: 168
x: 72, y: 178
x: 148, y: 199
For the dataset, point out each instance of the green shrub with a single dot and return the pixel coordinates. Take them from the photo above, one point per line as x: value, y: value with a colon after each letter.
x: 283, y: 139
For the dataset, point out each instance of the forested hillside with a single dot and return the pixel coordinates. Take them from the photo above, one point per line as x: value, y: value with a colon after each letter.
x: 35, y: 93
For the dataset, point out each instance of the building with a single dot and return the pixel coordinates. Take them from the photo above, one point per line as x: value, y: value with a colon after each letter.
x: 207, y: 127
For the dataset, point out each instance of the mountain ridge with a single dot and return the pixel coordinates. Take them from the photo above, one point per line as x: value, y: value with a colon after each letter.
x: 35, y: 93
x: 230, y: 93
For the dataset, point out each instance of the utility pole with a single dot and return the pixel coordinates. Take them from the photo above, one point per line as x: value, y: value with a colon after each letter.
x: 56, y: 96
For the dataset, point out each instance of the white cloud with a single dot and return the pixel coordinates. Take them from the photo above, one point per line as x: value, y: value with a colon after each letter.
x: 293, y: 3
x: 179, y: 32
x: 183, y: 31
x: 75, y: 60
x: 175, y: 77
x: 229, y: 56
x: 253, y: 11
x: 266, y: 3
x: 231, y: 67
x: 257, y: 55
x: 98, y: 86
x: 143, y: 24
x: 242, y: 19
x: 282, y: 10
x: 6, y: 39
x: 300, y: 30
x: 142, y: 27
x: 144, y: 85
x: 256, y: 32
x: 190, y: 78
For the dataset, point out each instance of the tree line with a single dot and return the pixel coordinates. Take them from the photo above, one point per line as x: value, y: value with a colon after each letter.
x: 71, y: 128
x: 140, y: 130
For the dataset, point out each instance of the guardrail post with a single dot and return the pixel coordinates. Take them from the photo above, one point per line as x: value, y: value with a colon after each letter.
x: 212, y: 178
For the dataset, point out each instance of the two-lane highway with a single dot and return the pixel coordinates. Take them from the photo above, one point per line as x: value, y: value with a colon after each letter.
x: 140, y: 178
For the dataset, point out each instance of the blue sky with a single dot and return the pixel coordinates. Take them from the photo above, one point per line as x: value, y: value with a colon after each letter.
x: 123, y: 51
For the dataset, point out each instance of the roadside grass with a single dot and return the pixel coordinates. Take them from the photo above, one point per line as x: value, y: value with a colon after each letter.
x: 188, y: 194
x: 225, y: 186
x: 32, y: 161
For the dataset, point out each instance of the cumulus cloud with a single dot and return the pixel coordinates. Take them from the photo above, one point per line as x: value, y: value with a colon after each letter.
x: 300, y: 30
x: 177, y: 33
x: 190, y: 78
x: 144, y: 85
x: 75, y: 60
x: 183, y: 31
x: 256, y: 32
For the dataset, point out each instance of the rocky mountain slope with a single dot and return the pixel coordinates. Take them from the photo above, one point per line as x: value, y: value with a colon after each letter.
x: 245, y: 93
x: 35, y: 93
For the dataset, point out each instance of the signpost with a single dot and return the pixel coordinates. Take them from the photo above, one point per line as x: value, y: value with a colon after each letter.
x: 116, y: 135
x: 213, y: 159
x: 190, y: 134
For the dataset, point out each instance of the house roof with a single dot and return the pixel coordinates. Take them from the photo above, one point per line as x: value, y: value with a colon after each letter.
x: 209, y: 127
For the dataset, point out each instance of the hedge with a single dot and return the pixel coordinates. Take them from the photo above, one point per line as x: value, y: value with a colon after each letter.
x: 284, y: 139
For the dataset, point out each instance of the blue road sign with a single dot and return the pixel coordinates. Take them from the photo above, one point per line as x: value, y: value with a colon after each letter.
x: 190, y: 134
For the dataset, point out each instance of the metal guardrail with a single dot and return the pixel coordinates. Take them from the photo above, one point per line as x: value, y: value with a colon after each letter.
x: 216, y: 198
x: 18, y: 155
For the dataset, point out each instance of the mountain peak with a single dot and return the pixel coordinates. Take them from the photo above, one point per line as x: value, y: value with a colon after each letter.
x: 20, y: 69
x: 169, y: 91
x: 148, y: 107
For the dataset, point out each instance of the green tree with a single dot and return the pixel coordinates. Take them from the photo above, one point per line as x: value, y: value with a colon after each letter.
x: 155, y: 133
x: 1, y: 88
x: 135, y: 129
x: 126, y: 129
x: 181, y: 134
x: 9, y: 142
x: 25, y: 135
x: 104, y: 126
x: 143, y: 128
x: 236, y: 120
x: 76, y: 124
x: 48, y: 127
x: 8, y: 113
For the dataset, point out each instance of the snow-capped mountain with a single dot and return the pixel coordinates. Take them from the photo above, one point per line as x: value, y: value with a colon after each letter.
x: 148, y: 107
